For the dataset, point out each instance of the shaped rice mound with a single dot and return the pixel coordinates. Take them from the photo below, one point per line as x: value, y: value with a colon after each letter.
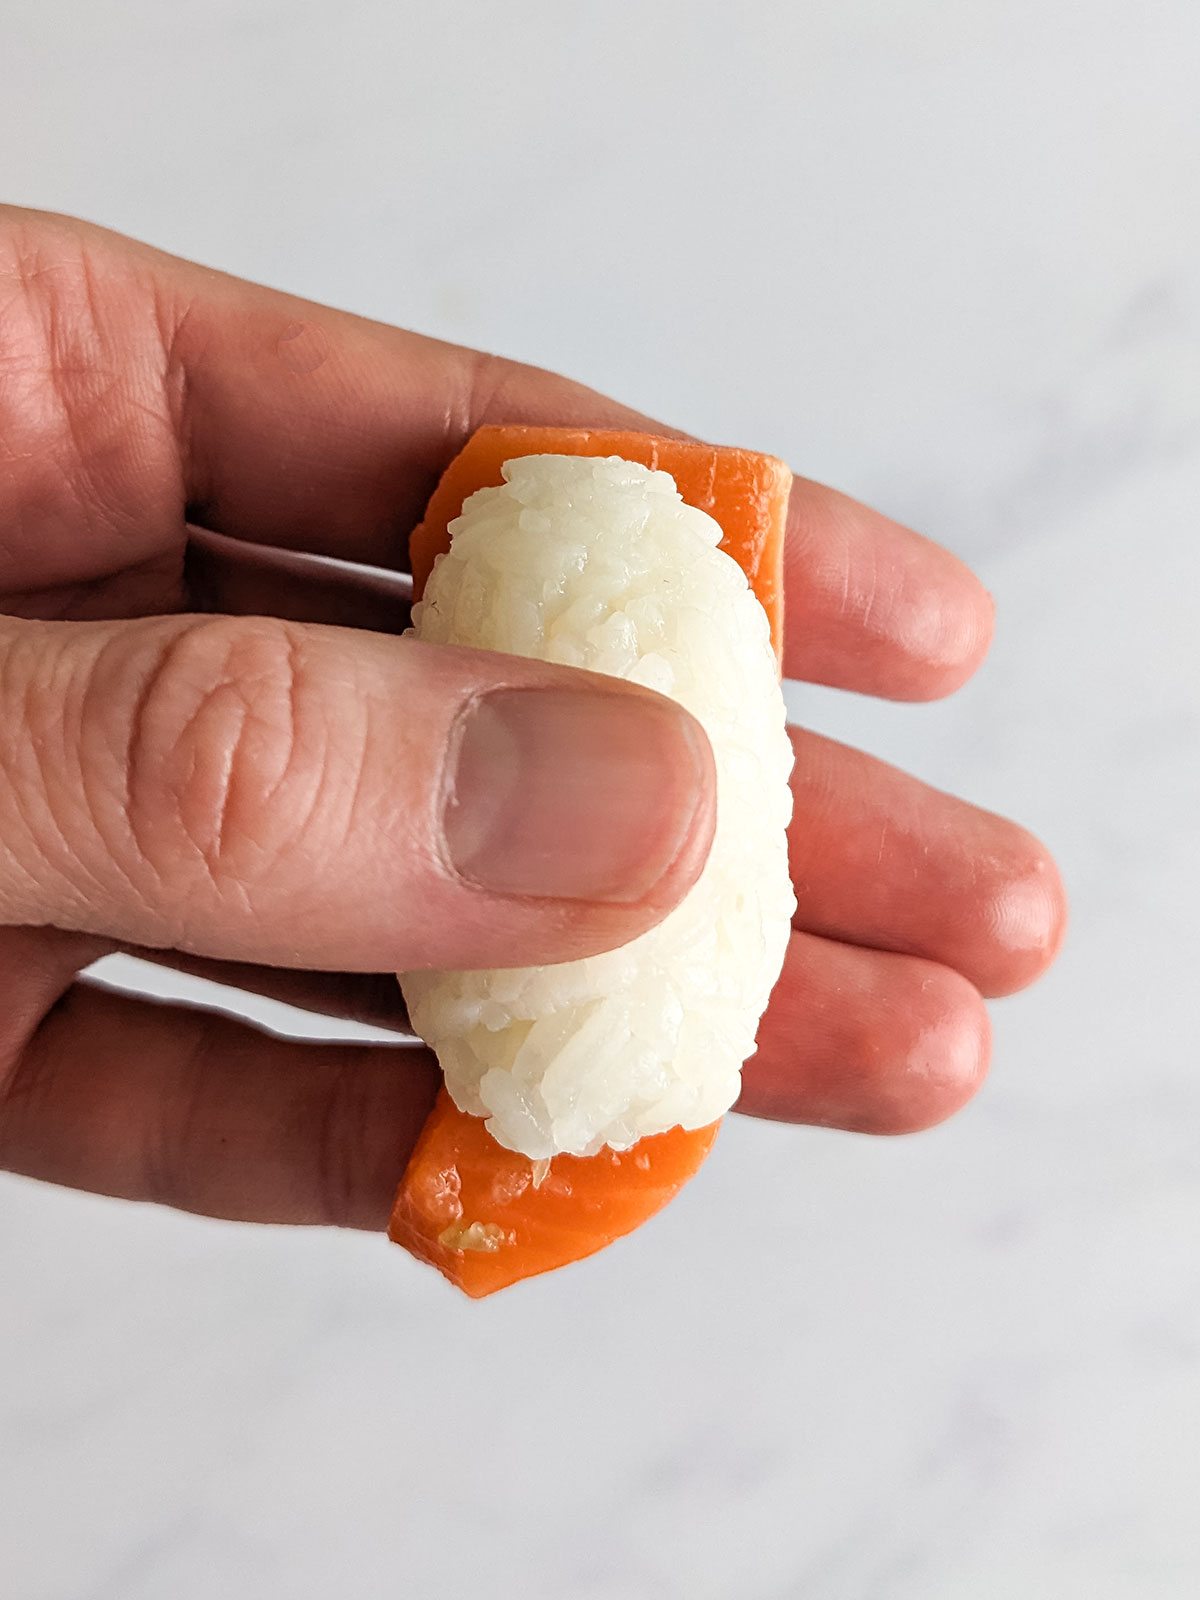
x: 596, y: 562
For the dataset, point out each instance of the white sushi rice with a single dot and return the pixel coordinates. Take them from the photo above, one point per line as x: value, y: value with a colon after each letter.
x: 598, y: 563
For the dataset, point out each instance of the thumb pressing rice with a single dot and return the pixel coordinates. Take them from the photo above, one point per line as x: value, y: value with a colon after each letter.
x: 598, y: 563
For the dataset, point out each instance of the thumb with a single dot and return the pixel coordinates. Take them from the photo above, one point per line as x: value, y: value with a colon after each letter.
x: 259, y: 790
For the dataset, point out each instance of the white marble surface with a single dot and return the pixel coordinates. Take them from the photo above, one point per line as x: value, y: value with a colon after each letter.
x: 946, y: 255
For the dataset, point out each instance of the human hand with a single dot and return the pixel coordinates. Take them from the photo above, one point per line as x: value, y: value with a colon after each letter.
x: 212, y: 757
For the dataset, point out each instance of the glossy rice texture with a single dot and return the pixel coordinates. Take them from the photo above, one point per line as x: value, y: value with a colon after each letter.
x: 597, y: 562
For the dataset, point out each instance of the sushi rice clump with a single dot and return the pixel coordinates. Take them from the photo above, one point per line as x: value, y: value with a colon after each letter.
x: 598, y: 563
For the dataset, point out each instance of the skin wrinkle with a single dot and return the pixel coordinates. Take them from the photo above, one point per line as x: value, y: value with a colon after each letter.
x: 78, y: 408
x: 212, y: 849
x: 300, y: 757
x: 326, y: 774
x: 480, y: 385
x: 10, y: 770
x: 79, y: 366
x: 175, y: 387
x: 217, y: 839
x: 291, y: 697
x: 223, y: 694
x: 38, y: 802
x: 131, y: 769
x: 22, y: 357
x: 263, y: 778
x: 844, y: 604
x: 108, y: 814
x: 355, y: 821
x: 47, y: 797
x: 867, y: 606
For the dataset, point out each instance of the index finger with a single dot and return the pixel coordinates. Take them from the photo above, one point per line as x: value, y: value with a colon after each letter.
x: 277, y: 420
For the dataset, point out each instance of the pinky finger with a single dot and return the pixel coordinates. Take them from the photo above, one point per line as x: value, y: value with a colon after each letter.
x: 866, y: 1040
x: 194, y: 1110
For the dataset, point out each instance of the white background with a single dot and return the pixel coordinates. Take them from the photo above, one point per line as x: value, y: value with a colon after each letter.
x: 944, y: 254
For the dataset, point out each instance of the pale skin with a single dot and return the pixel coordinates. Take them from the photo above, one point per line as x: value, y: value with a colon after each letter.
x: 216, y: 761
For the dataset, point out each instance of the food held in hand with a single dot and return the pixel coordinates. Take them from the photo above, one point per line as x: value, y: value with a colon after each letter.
x: 580, y: 1096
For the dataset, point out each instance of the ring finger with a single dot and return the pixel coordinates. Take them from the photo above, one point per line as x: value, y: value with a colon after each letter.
x: 880, y: 859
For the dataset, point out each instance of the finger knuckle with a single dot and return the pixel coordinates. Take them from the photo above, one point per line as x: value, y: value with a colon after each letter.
x: 224, y: 744
x: 78, y: 384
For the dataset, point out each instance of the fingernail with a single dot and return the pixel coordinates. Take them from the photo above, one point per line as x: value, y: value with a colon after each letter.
x: 572, y: 794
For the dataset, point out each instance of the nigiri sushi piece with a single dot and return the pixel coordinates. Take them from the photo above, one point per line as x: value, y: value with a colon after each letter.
x: 580, y: 1096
